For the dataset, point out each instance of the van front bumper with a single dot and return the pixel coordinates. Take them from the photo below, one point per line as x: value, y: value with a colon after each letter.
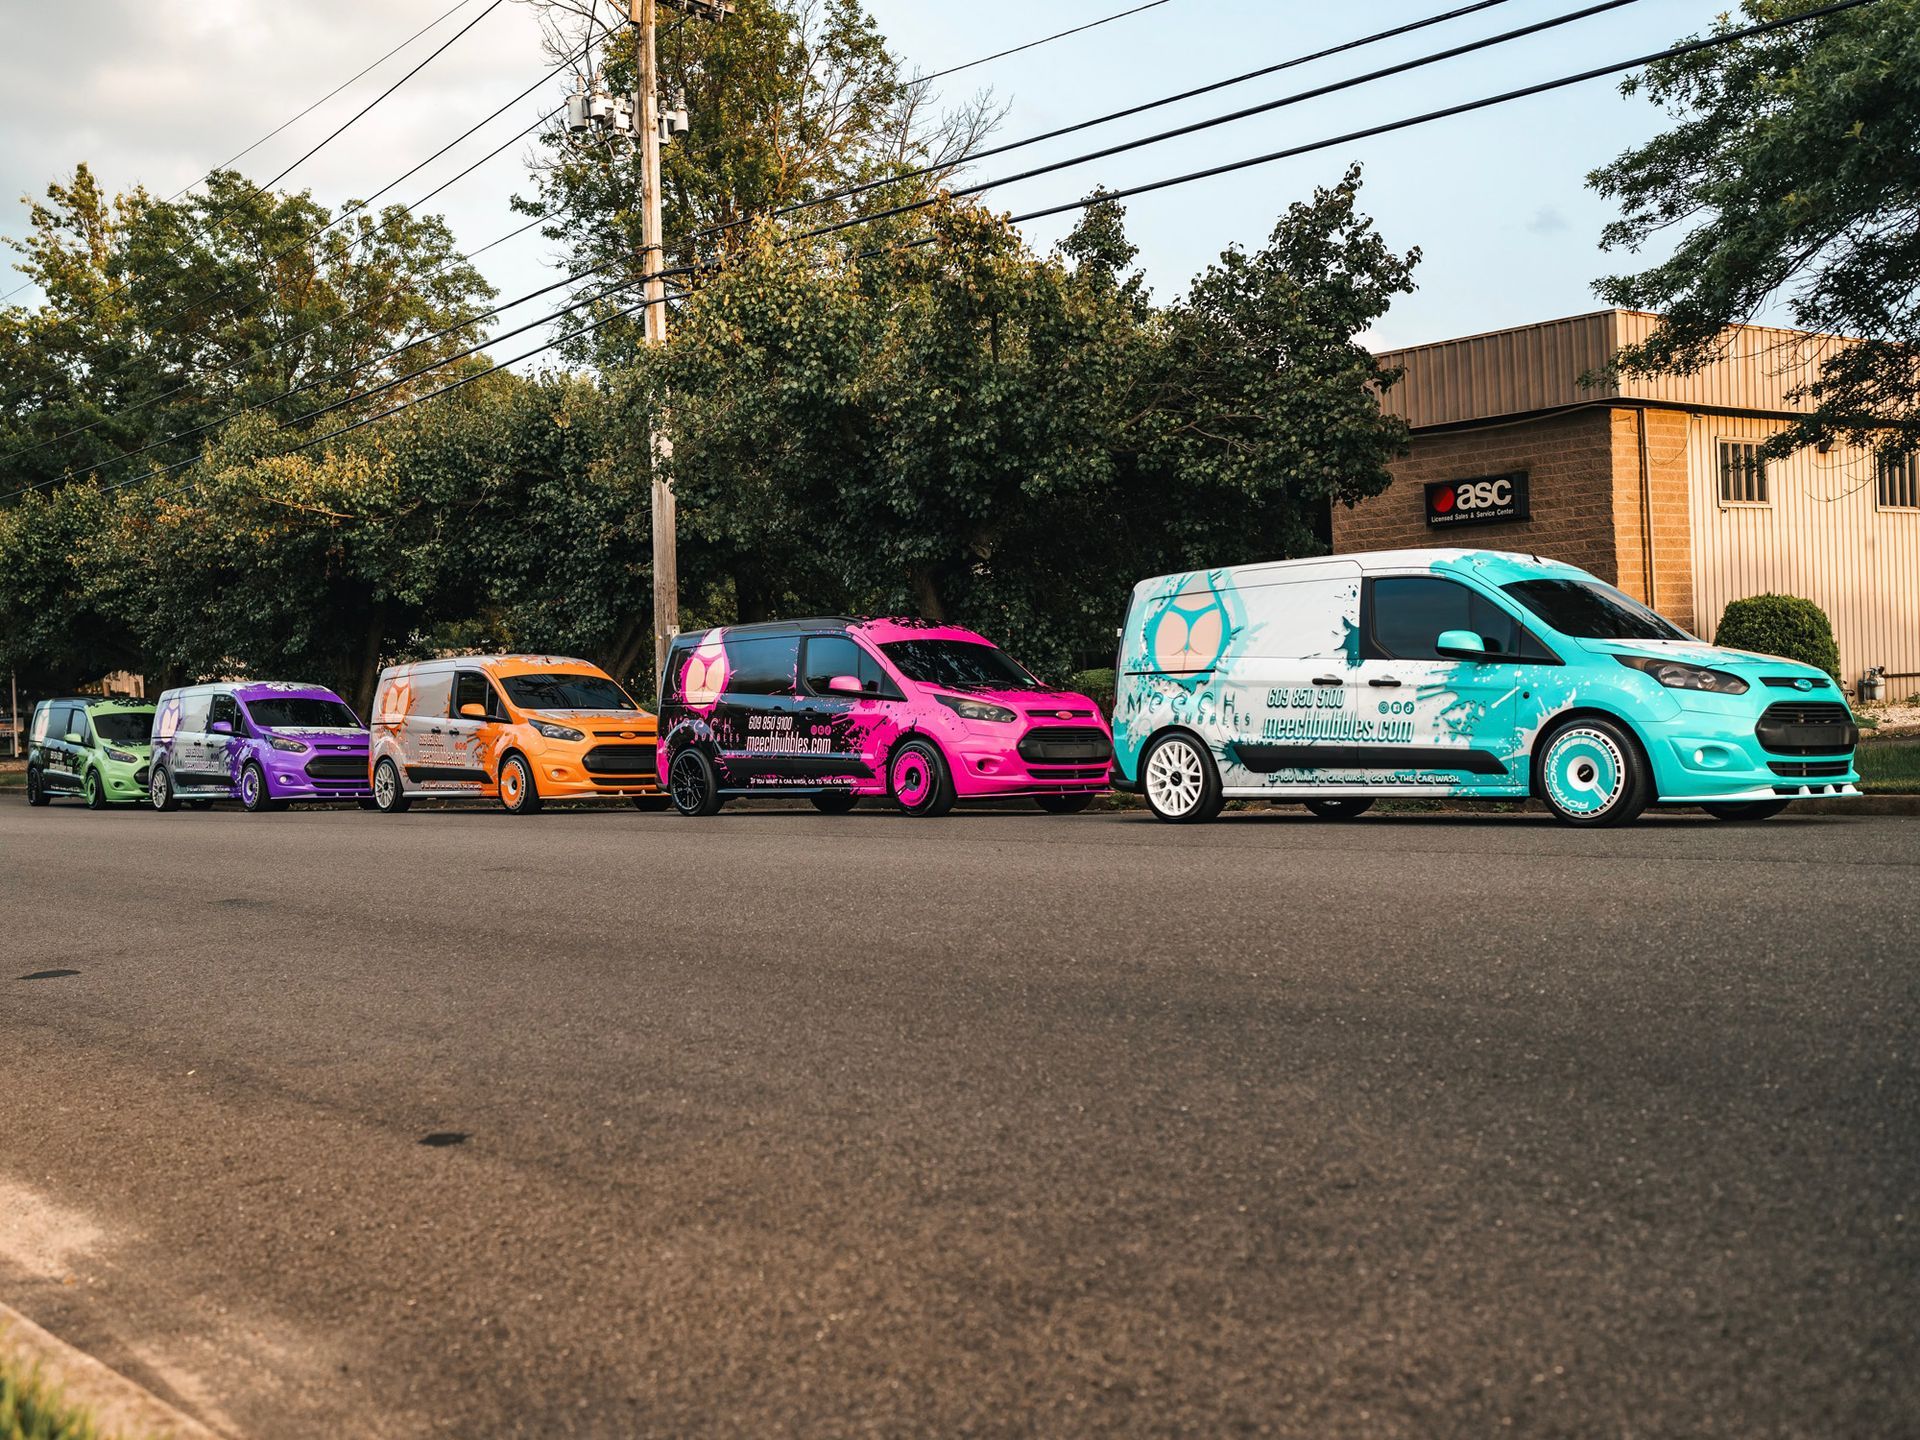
x: 1728, y: 765
x: 1046, y: 760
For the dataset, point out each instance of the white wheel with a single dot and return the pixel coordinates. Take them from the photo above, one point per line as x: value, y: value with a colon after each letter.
x: 1180, y: 780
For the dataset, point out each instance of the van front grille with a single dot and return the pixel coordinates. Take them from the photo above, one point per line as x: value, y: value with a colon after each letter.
x: 1807, y: 727
x: 338, y: 767
x: 1080, y: 745
x: 619, y: 760
x: 1808, y: 769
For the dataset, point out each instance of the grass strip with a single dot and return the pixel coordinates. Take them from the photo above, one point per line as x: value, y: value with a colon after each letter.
x: 30, y: 1409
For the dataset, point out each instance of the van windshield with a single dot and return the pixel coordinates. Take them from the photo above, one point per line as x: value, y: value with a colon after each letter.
x: 959, y: 665
x: 123, y: 727
x: 566, y: 692
x: 293, y: 712
x: 1589, y: 610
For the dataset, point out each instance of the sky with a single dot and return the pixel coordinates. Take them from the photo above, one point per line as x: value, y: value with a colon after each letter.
x: 156, y: 92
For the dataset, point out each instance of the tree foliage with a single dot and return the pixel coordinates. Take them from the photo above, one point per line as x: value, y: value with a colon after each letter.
x: 1792, y: 170
x: 161, y: 317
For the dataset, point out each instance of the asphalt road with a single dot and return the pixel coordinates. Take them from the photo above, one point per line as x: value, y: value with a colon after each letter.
x: 778, y: 1124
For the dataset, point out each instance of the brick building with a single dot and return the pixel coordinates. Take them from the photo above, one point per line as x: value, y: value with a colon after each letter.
x: 1653, y: 485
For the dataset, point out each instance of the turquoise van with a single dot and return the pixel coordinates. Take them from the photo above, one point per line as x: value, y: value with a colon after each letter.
x: 1469, y: 674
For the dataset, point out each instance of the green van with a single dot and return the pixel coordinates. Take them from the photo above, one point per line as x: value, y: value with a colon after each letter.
x: 96, y: 749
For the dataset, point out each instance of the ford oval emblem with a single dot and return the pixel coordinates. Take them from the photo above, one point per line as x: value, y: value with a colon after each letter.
x: 1803, y: 683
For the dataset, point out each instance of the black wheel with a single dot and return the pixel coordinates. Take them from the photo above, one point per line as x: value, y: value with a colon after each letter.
x: 919, y: 780
x: 96, y: 797
x: 36, y: 793
x: 389, y: 796
x: 1340, y: 807
x: 518, y: 793
x: 1181, y: 782
x: 253, y: 789
x: 1590, y: 773
x: 834, y: 802
x: 160, y: 789
x: 1746, y: 809
x: 1063, y: 804
x: 692, y: 784
x: 652, y: 802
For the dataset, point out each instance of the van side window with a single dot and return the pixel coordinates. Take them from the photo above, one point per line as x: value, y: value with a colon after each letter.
x: 763, y: 665
x: 225, y: 707
x: 470, y: 687
x: 60, y: 721
x: 41, y: 718
x: 1408, y: 613
x: 193, y: 713
x: 831, y: 655
x: 432, y: 689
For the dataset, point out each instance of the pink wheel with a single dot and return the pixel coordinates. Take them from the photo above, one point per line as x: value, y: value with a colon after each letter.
x: 919, y: 780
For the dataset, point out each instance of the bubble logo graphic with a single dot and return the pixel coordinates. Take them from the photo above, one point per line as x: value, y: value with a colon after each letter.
x: 706, y: 673
x: 396, y: 700
x: 1443, y: 500
x: 1189, y: 634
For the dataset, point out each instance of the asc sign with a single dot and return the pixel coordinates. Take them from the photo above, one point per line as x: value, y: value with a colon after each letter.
x: 1480, y: 501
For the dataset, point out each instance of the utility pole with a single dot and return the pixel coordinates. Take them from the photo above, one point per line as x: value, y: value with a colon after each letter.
x: 646, y: 114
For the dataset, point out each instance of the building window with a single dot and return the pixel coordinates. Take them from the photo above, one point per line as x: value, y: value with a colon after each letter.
x: 1743, y: 473
x: 1899, y: 487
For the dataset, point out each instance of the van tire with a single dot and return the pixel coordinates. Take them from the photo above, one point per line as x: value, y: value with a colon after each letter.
x: 1746, y: 809
x: 919, y: 781
x: 1589, y: 772
x: 36, y: 795
x: 1184, y: 789
x: 389, y: 793
x: 834, y: 802
x: 160, y: 789
x: 692, y: 784
x: 519, y: 793
x: 90, y: 787
x: 1342, y: 807
x: 1063, y: 804
x: 253, y: 789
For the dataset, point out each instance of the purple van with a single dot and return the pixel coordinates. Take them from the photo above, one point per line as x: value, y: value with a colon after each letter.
x: 261, y: 744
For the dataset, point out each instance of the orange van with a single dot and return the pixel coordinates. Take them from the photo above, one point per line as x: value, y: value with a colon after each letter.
x: 520, y: 729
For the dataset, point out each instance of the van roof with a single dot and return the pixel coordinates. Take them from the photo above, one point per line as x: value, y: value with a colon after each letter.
x: 527, y: 662
x: 771, y: 627
x: 1368, y: 562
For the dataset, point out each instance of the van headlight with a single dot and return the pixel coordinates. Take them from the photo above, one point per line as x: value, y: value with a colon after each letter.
x: 556, y: 732
x: 125, y: 757
x: 292, y: 747
x: 977, y: 710
x: 1676, y: 676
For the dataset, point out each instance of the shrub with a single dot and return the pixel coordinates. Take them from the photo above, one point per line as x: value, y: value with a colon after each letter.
x: 1097, y: 685
x: 1783, y: 625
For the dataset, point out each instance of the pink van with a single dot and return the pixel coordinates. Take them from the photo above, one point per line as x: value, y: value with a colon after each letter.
x: 836, y: 709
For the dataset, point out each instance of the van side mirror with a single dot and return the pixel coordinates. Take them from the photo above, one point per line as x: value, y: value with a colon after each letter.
x: 1461, y: 645
x: 220, y: 727
x: 471, y: 711
x: 846, y: 685
x: 72, y: 737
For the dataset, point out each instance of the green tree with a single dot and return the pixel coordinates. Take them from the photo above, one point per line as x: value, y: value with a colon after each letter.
x: 788, y: 100
x: 1792, y: 170
x: 160, y: 317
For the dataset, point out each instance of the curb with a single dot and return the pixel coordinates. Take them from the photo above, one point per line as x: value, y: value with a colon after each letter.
x: 119, y: 1409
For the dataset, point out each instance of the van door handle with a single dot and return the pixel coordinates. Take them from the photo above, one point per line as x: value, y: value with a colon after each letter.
x: 1384, y: 684
x: 1327, y: 680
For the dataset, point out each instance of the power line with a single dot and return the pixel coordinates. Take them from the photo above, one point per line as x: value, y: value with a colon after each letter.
x: 352, y: 209
x: 1043, y: 40
x: 1655, y: 57
x: 1140, y: 109
x: 361, y: 113
x: 1418, y: 62
x: 242, y: 154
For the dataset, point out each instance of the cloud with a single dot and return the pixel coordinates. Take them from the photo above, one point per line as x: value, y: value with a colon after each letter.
x: 1547, y: 220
